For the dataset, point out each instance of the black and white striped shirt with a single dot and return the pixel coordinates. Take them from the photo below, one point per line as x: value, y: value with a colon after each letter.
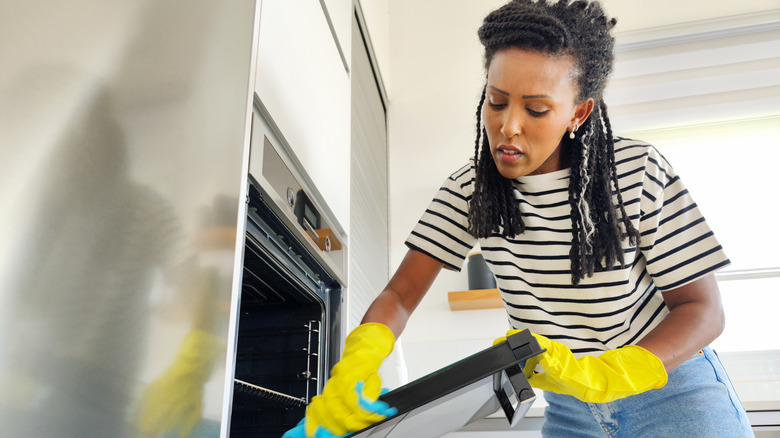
x: 533, y: 269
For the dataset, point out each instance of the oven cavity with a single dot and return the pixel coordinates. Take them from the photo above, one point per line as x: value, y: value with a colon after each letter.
x: 284, y: 345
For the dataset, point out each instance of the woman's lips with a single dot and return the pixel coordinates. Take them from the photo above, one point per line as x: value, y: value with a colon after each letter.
x: 509, y: 153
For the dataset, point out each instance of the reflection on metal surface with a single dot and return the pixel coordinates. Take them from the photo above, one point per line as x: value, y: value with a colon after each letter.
x: 123, y: 142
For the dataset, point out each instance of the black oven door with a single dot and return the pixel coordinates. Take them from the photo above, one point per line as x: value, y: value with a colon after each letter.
x: 468, y: 390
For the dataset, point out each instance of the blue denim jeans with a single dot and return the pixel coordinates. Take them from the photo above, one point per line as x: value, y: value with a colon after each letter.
x: 697, y: 401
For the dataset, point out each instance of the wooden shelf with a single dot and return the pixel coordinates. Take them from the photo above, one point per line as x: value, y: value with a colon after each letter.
x: 475, y: 299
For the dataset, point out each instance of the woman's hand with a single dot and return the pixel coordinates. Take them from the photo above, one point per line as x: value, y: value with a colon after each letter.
x: 342, y: 408
x: 349, y: 401
x: 614, y: 374
x: 610, y: 376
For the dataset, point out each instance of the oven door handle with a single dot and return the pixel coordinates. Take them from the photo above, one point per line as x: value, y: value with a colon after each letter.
x: 513, y: 393
x: 308, y: 227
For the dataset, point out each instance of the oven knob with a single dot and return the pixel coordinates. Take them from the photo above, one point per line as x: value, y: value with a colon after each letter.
x: 327, y: 243
x: 290, y: 197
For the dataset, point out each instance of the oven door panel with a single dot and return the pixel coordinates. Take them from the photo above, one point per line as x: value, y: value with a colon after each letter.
x: 465, y: 391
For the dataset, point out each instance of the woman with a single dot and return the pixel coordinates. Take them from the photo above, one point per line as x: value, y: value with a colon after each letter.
x: 596, y: 246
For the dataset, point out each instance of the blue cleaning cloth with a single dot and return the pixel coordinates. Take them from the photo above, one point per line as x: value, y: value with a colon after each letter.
x: 377, y: 407
x: 299, y: 431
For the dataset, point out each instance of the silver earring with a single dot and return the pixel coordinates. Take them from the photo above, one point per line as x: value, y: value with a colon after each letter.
x: 571, y: 135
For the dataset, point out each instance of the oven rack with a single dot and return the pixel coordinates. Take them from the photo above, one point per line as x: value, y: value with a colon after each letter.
x: 268, y: 354
x: 267, y: 394
x: 281, y: 331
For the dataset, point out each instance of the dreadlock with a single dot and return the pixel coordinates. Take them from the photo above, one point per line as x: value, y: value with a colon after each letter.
x: 579, y: 29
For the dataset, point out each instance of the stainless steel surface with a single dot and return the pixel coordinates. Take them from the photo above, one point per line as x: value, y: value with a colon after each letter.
x: 281, y: 178
x: 122, y: 180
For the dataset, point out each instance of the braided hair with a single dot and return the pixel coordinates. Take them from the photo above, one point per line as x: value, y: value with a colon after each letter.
x: 579, y: 29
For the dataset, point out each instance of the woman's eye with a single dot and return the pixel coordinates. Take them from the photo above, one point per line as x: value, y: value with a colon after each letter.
x: 536, y: 113
x: 497, y: 105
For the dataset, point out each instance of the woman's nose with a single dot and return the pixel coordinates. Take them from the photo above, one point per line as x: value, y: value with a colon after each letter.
x: 512, y: 125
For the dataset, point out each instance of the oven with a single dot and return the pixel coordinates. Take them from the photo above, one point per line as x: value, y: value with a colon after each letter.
x: 294, y: 280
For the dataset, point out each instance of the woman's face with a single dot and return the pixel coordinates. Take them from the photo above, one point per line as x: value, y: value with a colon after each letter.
x: 530, y: 103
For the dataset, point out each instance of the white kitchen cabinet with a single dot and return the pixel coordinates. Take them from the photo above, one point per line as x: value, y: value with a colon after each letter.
x: 304, y: 83
x: 340, y: 13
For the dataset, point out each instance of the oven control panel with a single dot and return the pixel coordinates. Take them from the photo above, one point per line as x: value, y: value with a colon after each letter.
x: 284, y: 185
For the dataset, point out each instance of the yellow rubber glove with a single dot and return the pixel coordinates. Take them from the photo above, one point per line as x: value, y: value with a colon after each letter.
x: 338, y: 409
x: 174, y: 400
x: 613, y: 375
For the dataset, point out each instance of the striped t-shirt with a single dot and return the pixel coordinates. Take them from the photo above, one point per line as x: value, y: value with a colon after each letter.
x: 533, y: 269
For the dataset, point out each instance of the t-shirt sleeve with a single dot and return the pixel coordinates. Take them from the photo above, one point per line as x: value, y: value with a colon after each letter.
x: 675, y: 239
x: 442, y: 232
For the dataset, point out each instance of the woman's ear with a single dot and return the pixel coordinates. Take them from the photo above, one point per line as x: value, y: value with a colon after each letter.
x: 582, y: 111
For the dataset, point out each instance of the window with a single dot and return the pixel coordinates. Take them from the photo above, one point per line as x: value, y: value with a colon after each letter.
x: 729, y: 169
x: 710, y: 102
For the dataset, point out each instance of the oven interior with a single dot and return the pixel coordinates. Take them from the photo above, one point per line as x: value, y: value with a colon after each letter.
x: 288, y: 327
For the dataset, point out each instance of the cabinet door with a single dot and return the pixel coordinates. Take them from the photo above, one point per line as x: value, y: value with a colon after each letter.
x: 304, y: 84
x: 341, y: 13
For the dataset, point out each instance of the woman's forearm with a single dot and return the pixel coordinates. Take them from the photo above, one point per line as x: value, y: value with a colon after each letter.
x: 404, y: 292
x: 388, y: 309
x: 695, y: 320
